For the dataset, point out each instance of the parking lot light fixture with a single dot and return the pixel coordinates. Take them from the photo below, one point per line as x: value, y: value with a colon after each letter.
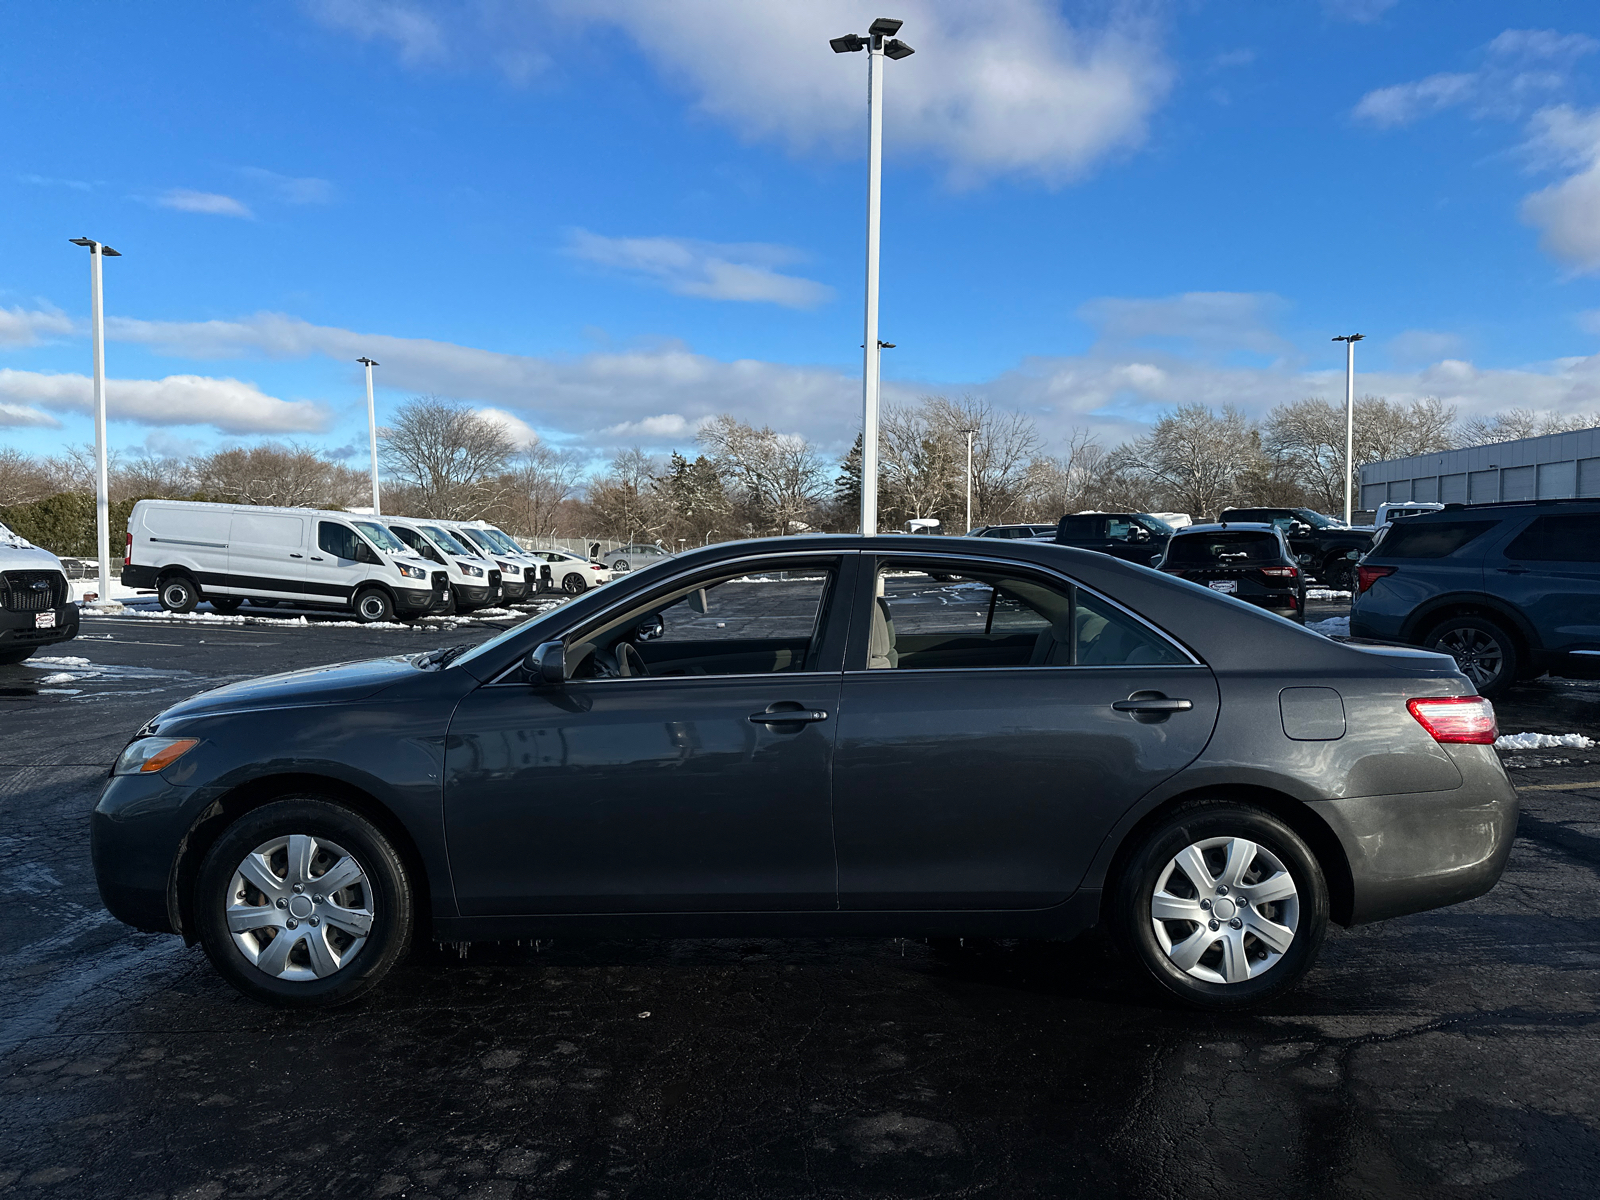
x: 879, y: 42
x: 1349, y: 340
x: 102, y: 485
x: 372, y: 432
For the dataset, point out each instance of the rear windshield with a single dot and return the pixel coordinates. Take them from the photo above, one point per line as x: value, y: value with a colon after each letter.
x: 1224, y: 548
x: 1421, y: 538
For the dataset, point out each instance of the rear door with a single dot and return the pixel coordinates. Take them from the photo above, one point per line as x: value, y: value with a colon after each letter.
x: 267, y: 555
x: 1551, y: 570
x: 981, y: 757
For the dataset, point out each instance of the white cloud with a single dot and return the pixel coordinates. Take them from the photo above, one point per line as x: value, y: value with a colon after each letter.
x: 1567, y: 213
x: 710, y: 270
x: 1207, y: 321
x: 666, y: 425
x: 228, y: 405
x: 288, y: 188
x: 21, y: 416
x: 1008, y: 87
x: 25, y: 327
x: 211, y: 203
x: 519, y: 430
x: 1521, y: 68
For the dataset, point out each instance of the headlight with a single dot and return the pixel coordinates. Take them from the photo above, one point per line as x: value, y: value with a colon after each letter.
x: 152, y: 754
x: 509, y: 569
x: 411, y: 572
x: 468, y: 568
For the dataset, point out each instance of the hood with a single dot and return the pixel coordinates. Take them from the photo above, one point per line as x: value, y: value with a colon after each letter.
x: 315, y: 685
x: 17, y: 553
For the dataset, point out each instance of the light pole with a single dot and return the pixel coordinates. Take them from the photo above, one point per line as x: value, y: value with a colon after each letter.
x: 1349, y: 340
x: 372, y: 432
x: 969, y: 433
x: 102, y: 483
x: 879, y: 43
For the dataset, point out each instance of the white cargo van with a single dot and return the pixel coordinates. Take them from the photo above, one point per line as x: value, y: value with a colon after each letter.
x: 36, y: 607
x: 474, y: 580
x: 229, y: 553
x: 522, y: 575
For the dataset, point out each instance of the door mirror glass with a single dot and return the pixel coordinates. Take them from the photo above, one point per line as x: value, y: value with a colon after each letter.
x: 1299, y: 529
x: 547, y: 664
x: 366, y: 554
x: 650, y: 628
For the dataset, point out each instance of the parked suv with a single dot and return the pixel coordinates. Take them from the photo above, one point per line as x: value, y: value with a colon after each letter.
x: 36, y: 607
x: 1133, y: 537
x: 1326, y: 548
x: 1509, y: 590
x: 1252, y: 563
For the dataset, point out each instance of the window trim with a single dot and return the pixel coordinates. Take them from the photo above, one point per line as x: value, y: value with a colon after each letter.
x: 871, y: 574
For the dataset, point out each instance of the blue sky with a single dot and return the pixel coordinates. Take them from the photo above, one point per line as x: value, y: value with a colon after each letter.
x: 604, y: 220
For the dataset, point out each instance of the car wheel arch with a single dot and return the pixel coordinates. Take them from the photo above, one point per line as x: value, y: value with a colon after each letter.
x: 1299, y: 815
x: 374, y: 585
x: 1425, y: 620
x: 223, y: 811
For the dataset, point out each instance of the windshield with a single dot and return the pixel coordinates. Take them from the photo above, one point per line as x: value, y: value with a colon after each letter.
x: 444, y: 541
x: 475, y: 537
x: 1157, y: 524
x: 381, y: 537
x: 499, y: 541
x: 1223, y: 547
x: 1317, y: 521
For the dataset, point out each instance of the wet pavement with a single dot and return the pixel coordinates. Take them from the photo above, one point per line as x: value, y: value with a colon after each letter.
x: 1449, y: 1054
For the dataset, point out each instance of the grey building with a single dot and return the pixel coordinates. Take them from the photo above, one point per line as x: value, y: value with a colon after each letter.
x: 1555, y: 466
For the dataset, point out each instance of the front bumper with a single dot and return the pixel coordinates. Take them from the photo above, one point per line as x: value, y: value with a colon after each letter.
x: 134, y: 832
x: 19, y: 629
x: 513, y: 589
x: 1421, y: 850
x: 416, y: 602
x: 471, y: 597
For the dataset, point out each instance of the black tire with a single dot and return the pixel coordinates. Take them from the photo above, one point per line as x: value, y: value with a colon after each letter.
x: 373, y: 606
x: 1340, y: 574
x: 259, y: 602
x: 620, y: 565
x: 228, y: 605
x: 16, y: 655
x: 574, y: 584
x: 1270, y: 974
x: 386, y: 890
x: 1484, y: 652
x: 178, y: 594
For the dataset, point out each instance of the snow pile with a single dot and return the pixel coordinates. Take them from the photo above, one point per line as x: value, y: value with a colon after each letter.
x: 1543, y: 741
x: 1332, y: 627
x: 39, y: 660
x: 1322, y: 593
x: 62, y: 677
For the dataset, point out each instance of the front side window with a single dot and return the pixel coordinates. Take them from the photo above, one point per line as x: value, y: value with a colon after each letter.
x: 1118, y: 528
x: 928, y: 617
x: 444, y: 541
x: 476, y: 538
x: 755, y: 623
x: 337, y: 540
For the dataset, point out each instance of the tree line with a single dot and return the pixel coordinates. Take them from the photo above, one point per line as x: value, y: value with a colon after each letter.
x: 441, y: 459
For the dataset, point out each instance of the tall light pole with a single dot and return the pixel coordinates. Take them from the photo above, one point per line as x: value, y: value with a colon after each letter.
x: 879, y: 43
x: 1349, y: 340
x: 969, y: 433
x: 372, y: 432
x: 102, y: 483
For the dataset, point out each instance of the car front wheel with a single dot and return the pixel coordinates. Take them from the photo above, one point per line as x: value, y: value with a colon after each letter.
x: 373, y: 607
x: 1483, y: 651
x: 1340, y: 574
x: 303, y: 904
x: 1223, y: 905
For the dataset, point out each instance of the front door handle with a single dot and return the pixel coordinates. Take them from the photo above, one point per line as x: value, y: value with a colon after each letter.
x: 788, y: 716
x: 1153, y: 704
x: 293, y: 555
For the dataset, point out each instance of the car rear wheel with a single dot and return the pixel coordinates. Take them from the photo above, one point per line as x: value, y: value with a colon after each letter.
x: 226, y: 604
x: 574, y: 584
x: 1340, y: 574
x: 620, y: 565
x: 303, y: 904
x: 1484, y: 652
x: 178, y: 594
x: 1223, y: 905
x: 373, y: 606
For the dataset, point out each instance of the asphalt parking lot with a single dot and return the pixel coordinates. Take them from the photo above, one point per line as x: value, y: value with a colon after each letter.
x: 1453, y: 1053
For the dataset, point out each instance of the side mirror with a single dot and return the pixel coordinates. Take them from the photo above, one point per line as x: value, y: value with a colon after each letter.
x: 1299, y: 529
x: 698, y: 602
x: 1138, y: 534
x: 365, y: 554
x: 547, y: 664
x: 650, y: 629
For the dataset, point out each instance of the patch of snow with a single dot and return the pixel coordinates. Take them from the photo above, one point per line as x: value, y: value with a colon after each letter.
x: 63, y: 677
x: 1321, y: 593
x: 1331, y: 627
x: 1543, y: 741
x: 64, y: 661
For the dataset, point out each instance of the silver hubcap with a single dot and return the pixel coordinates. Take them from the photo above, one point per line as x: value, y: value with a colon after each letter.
x: 371, y: 608
x: 1477, y: 654
x: 299, y: 907
x: 177, y: 595
x: 1225, y: 910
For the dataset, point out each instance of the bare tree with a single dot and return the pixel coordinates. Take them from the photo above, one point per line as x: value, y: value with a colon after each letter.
x: 145, y: 475
x: 1519, y: 423
x: 291, y: 475
x: 22, y: 478
x: 538, y: 484
x: 1308, y: 435
x: 778, y: 478
x: 626, y: 502
x: 1194, y: 458
x: 449, y: 459
x: 1070, y: 481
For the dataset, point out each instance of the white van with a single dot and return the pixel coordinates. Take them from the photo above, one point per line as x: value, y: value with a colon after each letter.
x: 36, y: 607
x: 521, y: 575
x: 474, y: 579
x: 229, y: 553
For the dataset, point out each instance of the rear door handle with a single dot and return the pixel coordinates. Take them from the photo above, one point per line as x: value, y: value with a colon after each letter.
x: 788, y: 716
x: 292, y: 555
x: 1153, y: 704
x: 1512, y: 570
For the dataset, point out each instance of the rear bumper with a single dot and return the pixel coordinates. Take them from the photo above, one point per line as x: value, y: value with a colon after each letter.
x: 19, y: 629
x: 143, y: 578
x: 1422, y: 850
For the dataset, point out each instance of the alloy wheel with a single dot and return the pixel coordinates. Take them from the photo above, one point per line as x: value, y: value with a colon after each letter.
x: 1225, y: 910
x: 299, y: 907
x: 1479, y: 655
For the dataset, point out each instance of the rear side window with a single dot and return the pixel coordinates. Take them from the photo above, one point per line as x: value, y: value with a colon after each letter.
x: 1080, y: 529
x: 338, y: 540
x: 1567, y: 537
x: 1223, y: 549
x: 1108, y: 637
x: 1433, y: 539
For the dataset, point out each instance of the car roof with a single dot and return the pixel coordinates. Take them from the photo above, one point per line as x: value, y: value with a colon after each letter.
x: 1506, y: 508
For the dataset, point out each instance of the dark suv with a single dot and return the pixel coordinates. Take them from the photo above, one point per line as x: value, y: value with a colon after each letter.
x: 1133, y: 537
x: 1510, y: 590
x: 1250, y: 562
x: 1328, y: 549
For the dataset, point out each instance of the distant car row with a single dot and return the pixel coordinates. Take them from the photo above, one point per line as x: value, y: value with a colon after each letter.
x: 380, y: 568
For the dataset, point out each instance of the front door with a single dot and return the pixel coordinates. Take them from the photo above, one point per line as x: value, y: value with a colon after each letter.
x: 981, y: 758
x: 683, y: 767
x: 333, y: 567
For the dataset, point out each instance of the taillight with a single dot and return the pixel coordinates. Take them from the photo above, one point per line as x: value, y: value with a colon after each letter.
x: 1281, y: 572
x: 1367, y: 576
x: 127, y: 551
x: 1468, y: 719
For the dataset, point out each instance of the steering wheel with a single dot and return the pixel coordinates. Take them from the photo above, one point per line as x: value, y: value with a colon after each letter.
x: 630, y: 664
